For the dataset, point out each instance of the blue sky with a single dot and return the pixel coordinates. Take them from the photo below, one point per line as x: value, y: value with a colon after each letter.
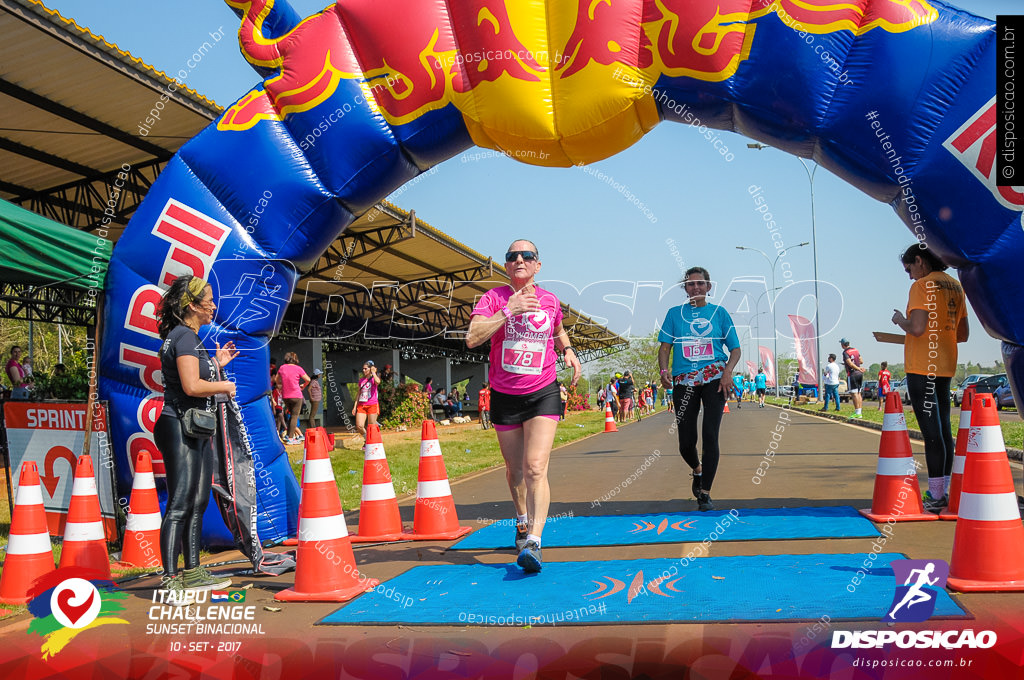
x: 699, y: 206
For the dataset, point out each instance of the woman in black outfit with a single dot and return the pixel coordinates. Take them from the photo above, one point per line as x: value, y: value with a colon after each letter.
x: 189, y: 376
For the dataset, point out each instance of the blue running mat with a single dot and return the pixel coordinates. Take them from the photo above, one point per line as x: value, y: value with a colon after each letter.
x: 681, y: 527
x: 744, y: 588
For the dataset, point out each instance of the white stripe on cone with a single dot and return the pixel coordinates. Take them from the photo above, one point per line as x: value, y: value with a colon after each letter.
x: 430, y: 447
x: 83, y: 486
x: 892, y: 422
x: 438, y: 488
x: 378, y: 492
x: 988, y: 507
x: 985, y: 439
x: 83, y: 531
x: 144, y: 481
x: 144, y: 522
x: 29, y: 495
x: 322, y: 528
x: 374, y: 452
x: 958, y: 464
x: 28, y: 544
x: 965, y: 420
x: 896, y: 467
x: 317, y: 470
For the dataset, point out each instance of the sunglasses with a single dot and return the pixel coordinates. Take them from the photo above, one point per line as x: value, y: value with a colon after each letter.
x: 527, y: 255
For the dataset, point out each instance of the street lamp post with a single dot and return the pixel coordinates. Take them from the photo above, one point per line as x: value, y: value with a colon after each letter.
x: 775, y: 332
x: 814, y: 250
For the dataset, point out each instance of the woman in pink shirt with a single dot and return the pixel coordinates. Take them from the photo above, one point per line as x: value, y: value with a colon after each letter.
x: 524, y: 324
x: 293, y: 381
x: 367, y: 405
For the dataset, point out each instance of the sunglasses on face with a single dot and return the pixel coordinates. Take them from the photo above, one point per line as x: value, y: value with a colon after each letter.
x: 527, y: 255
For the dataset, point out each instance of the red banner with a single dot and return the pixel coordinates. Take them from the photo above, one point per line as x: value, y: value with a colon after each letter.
x: 806, y: 355
x: 751, y: 368
x: 768, y: 362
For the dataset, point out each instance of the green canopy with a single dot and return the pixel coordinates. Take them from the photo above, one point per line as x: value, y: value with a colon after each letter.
x: 40, y: 252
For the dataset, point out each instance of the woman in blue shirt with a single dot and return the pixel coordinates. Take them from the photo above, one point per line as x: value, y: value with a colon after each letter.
x: 696, y: 335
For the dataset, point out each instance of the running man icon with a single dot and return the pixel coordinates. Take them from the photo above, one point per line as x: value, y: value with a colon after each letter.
x: 916, y: 597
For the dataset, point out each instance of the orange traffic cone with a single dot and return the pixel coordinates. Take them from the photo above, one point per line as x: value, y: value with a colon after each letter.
x: 959, y: 456
x: 379, y: 519
x: 609, y: 418
x: 142, y: 535
x: 726, y: 409
x: 84, y: 543
x: 988, y: 546
x: 29, y: 555
x: 435, y: 517
x: 329, y: 439
x: 325, y: 569
x: 896, y: 483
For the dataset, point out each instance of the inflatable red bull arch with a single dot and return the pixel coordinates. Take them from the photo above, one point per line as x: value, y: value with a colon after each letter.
x: 897, y: 97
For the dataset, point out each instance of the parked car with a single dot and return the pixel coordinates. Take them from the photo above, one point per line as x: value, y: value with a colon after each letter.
x: 844, y: 392
x: 969, y: 380
x: 870, y: 389
x: 990, y: 383
x: 1004, y: 397
x: 900, y: 388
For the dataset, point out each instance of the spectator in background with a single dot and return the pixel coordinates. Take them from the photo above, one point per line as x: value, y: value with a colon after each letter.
x: 293, y: 381
x: 60, y: 369
x: 26, y: 369
x: 600, y: 398
x: 855, y: 375
x: 440, y: 400
x: 387, y: 376
x: 16, y: 374
x: 625, y: 391
x: 484, y: 405
x: 316, y: 396
x: 611, y: 396
x: 831, y: 379
x: 884, y: 384
x: 277, y: 403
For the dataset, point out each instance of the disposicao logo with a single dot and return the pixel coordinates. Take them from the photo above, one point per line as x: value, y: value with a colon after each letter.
x: 69, y: 601
x: 917, y: 585
x: 921, y: 580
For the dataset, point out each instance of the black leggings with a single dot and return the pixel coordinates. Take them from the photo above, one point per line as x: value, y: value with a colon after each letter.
x: 189, y: 464
x: 687, y: 402
x: 930, y: 399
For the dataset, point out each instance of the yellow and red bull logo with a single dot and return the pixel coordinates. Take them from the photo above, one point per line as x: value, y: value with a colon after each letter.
x: 552, y: 66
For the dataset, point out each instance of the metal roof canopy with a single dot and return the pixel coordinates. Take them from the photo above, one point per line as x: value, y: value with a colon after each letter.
x: 73, y: 104
x: 391, y: 279
x: 63, y: 146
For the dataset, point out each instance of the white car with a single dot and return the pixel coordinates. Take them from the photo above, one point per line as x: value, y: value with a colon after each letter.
x: 900, y: 388
x: 966, y: 382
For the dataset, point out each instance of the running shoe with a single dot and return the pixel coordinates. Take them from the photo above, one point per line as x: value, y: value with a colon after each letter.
x: 198, y: 578
x: 529, y: 558
x: 175, y: 590
x: 521, y: 534
x: 695, y: 485
x: 856, y: 416
x: 935, y: 505
x: 704, y: 502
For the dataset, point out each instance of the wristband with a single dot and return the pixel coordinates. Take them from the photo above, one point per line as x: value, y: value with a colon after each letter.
x: 505, y: 310
x: 664, y: 371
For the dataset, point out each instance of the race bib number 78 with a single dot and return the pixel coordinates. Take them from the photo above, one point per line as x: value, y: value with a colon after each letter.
x: 522, y: 357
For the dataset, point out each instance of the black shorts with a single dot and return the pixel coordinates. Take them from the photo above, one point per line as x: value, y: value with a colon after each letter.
x: 761, y: 391
x: 855, y: 381
x: 516, y: 409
